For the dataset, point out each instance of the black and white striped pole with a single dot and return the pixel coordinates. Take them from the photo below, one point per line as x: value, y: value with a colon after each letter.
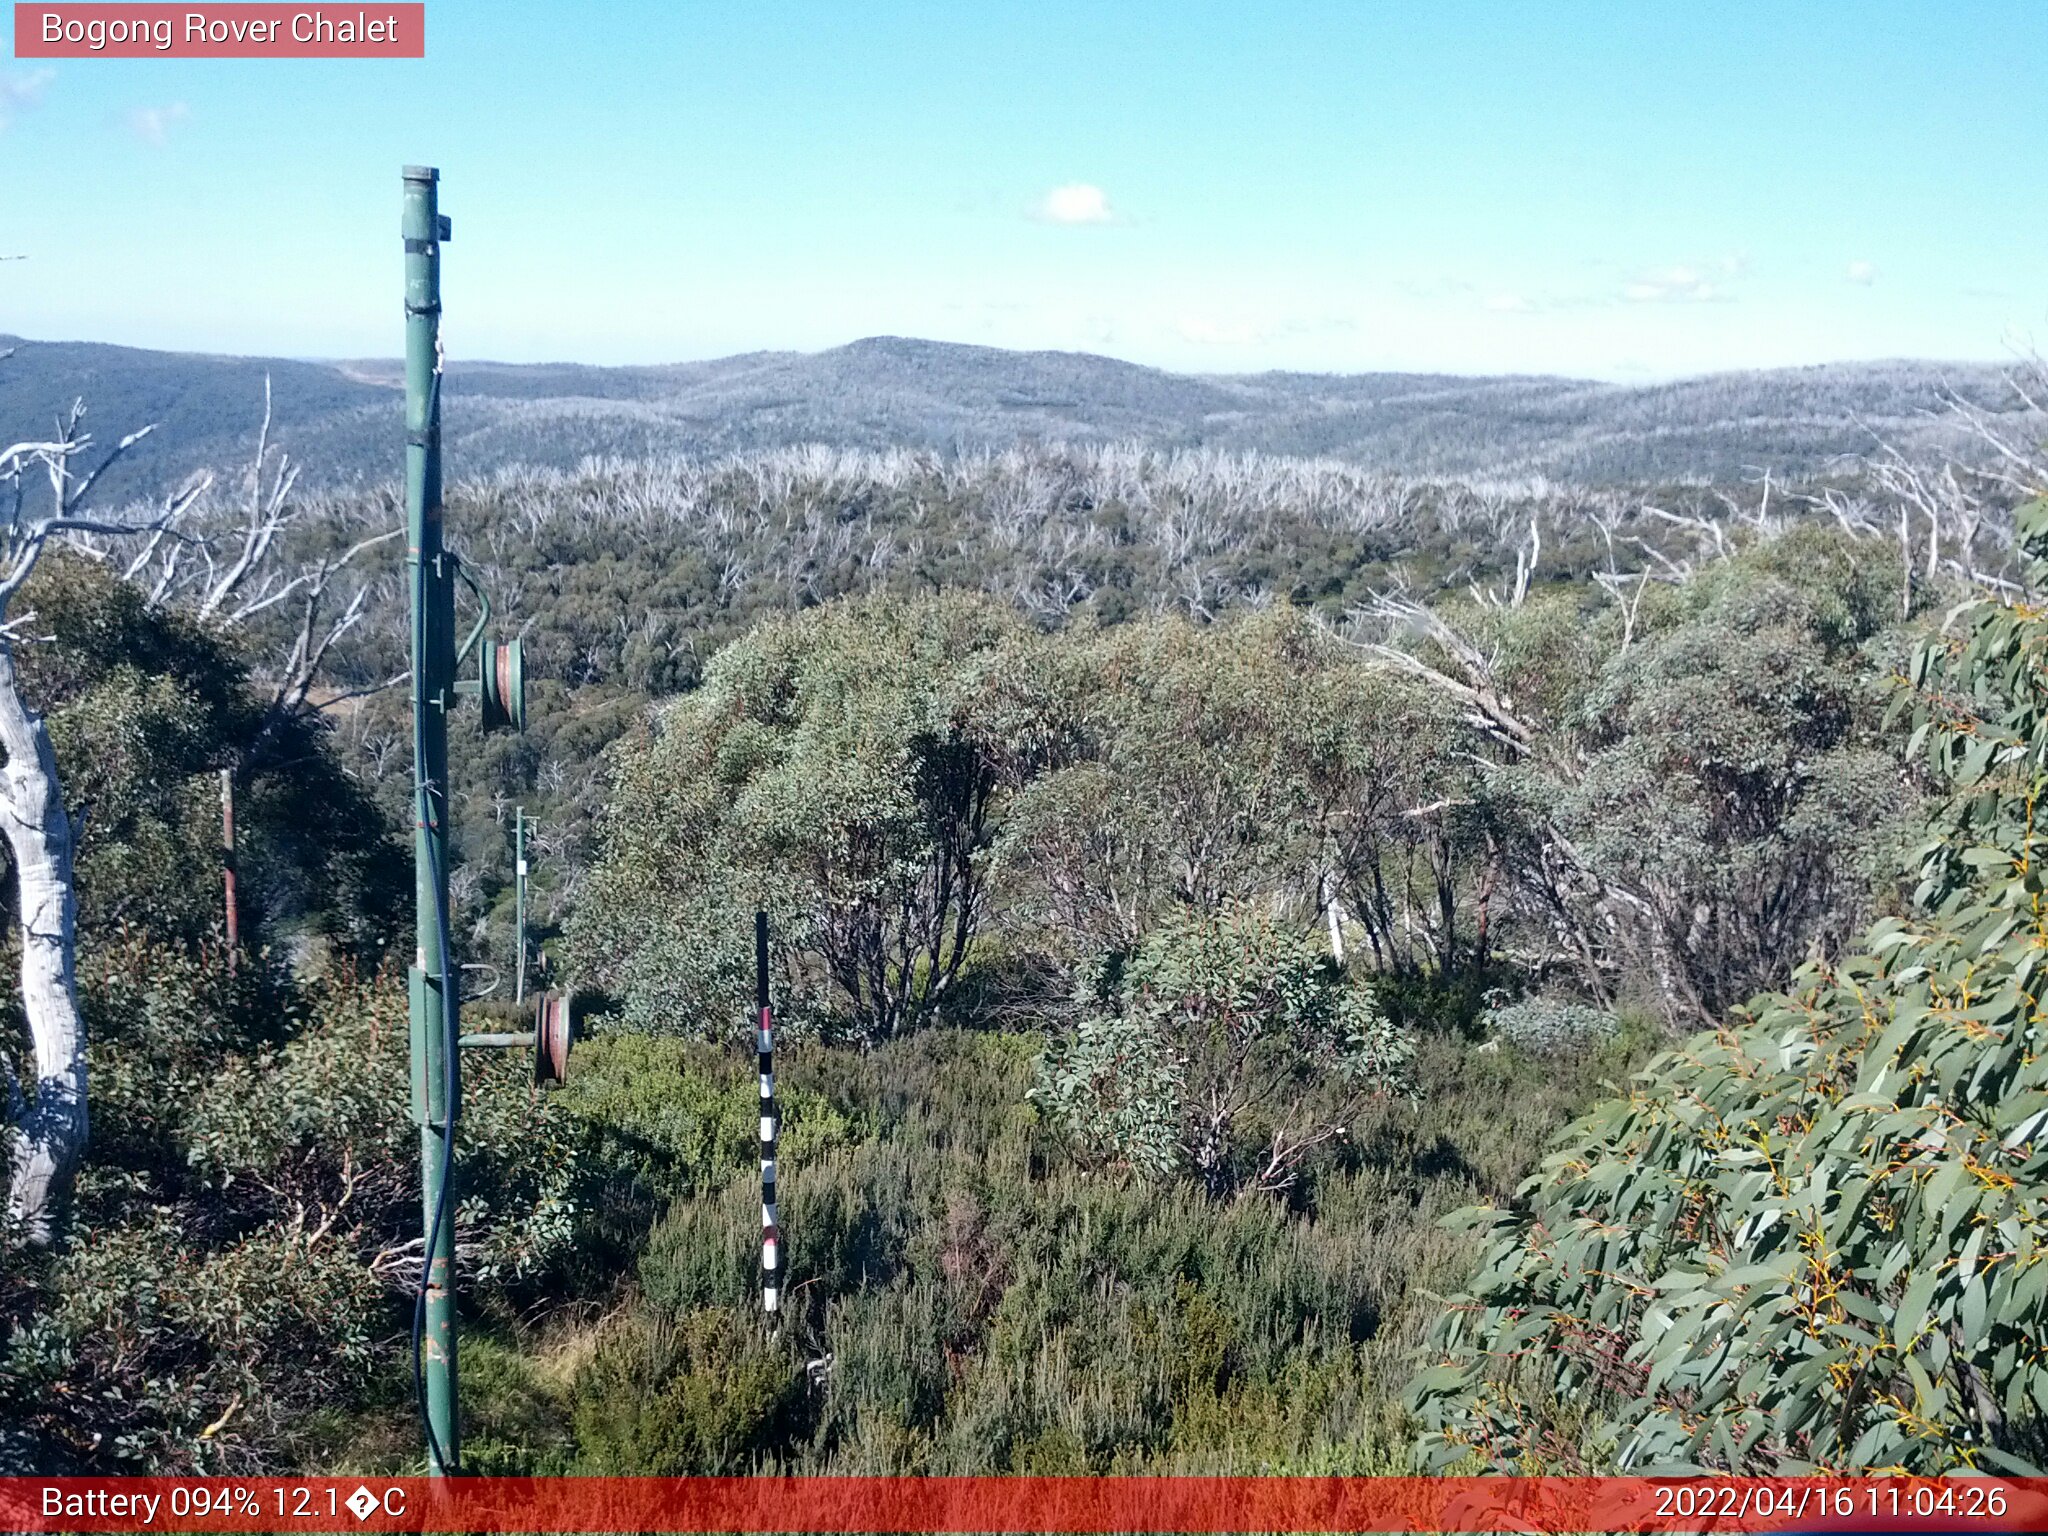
x: 764, y: 1043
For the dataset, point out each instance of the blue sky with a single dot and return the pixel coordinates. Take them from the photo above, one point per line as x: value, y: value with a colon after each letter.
x: 1624, y: 190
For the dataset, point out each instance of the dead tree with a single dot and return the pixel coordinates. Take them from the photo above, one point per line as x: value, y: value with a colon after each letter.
x: 1467, y: 673
x: 46, y: 1130
x: 229, y: 568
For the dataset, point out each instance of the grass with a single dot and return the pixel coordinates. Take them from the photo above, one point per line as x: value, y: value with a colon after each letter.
x: 964, y: 1300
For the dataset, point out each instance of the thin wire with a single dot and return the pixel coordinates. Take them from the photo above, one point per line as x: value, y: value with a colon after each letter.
x: 435, y: 1450
x: 422, y: 806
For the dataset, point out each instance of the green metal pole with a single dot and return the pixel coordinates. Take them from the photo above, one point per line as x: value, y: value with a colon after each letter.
x: 436, y: 1070
x: 519, y: 898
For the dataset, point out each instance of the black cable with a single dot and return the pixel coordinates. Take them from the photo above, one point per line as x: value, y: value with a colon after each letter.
x: 422, y: 810
x: 437, y: 1453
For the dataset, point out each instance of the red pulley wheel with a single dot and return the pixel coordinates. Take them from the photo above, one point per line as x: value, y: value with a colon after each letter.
x: 501, y: 686
x: 551, y: 1039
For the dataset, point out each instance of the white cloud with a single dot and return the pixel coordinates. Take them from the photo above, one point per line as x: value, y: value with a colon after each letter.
x: 1507, y: 304
x: 1862, y: 272
x: 18, y: 92
x: 1672, y: 285
x: 153, y: 125
x: 1078, y: 202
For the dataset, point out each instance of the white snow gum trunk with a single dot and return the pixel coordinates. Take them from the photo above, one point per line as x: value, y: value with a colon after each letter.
x: 49, y: 1134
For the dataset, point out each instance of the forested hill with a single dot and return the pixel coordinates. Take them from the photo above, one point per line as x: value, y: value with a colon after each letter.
x: 341, y: 418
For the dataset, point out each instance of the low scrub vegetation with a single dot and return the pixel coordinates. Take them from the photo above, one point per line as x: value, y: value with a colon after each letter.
x: 965, y: 1297
x: 1220, y: 908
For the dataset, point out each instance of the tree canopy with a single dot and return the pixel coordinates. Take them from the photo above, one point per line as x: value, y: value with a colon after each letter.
x: 1815, y: 1238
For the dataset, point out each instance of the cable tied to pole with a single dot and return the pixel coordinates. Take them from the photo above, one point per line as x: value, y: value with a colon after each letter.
x: 450, y: 1104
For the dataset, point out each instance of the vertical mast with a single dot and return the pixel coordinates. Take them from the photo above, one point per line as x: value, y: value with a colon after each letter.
x: 435, y: 1060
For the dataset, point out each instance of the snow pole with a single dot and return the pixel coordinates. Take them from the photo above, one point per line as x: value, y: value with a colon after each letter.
x: 764, y: 1044
x: 519, y: 903
x: 227, y: 863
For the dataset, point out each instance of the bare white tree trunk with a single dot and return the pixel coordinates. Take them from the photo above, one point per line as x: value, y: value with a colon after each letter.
x: 1333, y: 912
x: 48, y: 1135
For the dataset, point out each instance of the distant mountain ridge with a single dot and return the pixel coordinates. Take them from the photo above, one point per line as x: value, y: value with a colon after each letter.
x: 342, y: 419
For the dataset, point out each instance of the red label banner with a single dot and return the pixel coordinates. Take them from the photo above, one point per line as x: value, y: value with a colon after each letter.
x: 1024, y: 1504
x: 359, y: 31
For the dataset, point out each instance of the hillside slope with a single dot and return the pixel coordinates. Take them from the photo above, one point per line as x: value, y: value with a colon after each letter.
x: 342, y: 418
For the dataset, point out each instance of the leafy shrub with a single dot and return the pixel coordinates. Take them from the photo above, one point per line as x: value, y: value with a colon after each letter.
x: 1431, y: 1001
x: 239, y: 1261
x: 1212, y: 1028
x: 966, y: 1303
x: 1184, y: 765
x: 145, y: 706
x: 704, y: 1396
x: 1813, y: 1239
x: 826, y: 771
x: 1716, y: 801
x: 515, y: 1420
x: 1550, y: 1026
x: 1112, y: 1092
x: 682, y: 1116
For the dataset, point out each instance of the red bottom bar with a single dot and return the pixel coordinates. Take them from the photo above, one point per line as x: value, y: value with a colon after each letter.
x: 1024, y: 1504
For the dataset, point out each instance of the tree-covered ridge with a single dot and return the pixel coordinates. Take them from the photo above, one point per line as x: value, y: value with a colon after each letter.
x: 888, y: 392
x: 1818, y: 1237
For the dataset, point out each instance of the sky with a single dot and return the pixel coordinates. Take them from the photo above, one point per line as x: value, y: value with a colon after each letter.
x: 1629, y: 190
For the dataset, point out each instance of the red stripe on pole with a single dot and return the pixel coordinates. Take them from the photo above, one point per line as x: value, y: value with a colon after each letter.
x: 1030, y: 1504
x: 241, y: 31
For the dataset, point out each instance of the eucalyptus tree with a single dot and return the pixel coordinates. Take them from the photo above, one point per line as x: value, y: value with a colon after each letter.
x: 1686, y: 794
x: 49, y: 1124
x: 1811, y: 1240
x: 1229, y: 1045
x: 1251, y: 758
x: 831, y: 771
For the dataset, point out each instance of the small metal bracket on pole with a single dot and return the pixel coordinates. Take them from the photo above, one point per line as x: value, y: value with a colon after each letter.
x: 499, y: 686
x: 554, y: 1032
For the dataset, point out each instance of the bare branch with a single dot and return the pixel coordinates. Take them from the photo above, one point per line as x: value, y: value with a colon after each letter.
x: 1473, y: 684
